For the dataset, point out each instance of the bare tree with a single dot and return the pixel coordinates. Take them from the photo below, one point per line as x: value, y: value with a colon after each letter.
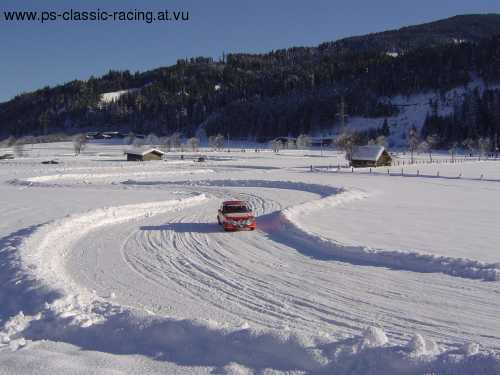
x: 175, y: 139
x: 432, y: 141
x: 304, y: 141
x: 453, y: 150
x: 152, y: 140
x: 470, y: 144
x: 166, y: 144
x: 194, y: 143
x: 219, y: 142
x: 484, y: 144
x: 424, y: 147
x: 413, y: 142
x: 138, y: 142
x: 79, y: 143
x: 211, y: 141
x: 276, y: 145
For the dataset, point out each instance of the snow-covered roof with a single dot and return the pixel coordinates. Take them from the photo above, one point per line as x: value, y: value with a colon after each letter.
x: 371, y: 153
x: 144, y: 152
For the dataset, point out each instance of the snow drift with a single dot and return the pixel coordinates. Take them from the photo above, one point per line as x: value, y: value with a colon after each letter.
x: 293, y: 231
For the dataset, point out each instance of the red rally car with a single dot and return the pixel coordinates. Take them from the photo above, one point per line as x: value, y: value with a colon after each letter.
x: 234, y: 215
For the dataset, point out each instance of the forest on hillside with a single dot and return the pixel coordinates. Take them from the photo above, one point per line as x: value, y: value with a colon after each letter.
x: 286, y: 92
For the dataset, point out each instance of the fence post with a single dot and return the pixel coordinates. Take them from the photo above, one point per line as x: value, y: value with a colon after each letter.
x: 402, y: 172
x: 311, y: 168
x: 352, y: 169
x: 388, y: 172
x: 418, y: 172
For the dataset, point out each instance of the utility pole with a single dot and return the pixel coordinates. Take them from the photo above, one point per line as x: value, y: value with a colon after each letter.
x: 342, y: 112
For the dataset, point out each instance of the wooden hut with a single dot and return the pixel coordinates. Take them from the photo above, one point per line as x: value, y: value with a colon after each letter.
x: 370, y: 156
x: 146, y: 155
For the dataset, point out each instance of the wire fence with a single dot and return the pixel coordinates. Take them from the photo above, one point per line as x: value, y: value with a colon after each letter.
x: 390, y: 171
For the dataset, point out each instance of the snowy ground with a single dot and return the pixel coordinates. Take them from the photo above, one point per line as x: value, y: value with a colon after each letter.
x: 110, y: 266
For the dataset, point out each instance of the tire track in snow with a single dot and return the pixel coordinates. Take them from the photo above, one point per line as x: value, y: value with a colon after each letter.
x: 306, y: 295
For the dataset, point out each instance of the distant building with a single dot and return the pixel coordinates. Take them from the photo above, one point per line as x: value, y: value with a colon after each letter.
x: 146, y: 155
x: 370, y: 156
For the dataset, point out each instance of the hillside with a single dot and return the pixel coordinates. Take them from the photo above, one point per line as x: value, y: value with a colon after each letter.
x: 458, y: 29
x: 284, y: 92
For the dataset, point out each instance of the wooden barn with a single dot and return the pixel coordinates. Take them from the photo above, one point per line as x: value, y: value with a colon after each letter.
x: 370, y: 156
x: 146, y: 155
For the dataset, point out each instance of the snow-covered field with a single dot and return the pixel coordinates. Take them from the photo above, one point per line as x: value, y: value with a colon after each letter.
x: 113, y: 267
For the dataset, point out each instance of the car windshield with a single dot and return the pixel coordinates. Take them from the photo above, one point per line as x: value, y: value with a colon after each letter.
x: 233, y: 209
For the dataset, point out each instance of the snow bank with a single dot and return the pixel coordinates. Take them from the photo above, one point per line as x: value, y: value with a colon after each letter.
x: 418, y: 356
x: 43, y: 252
x: 321, y: 190
x: 295, y: 233
x: 243, y: 351
x: 63, y: 179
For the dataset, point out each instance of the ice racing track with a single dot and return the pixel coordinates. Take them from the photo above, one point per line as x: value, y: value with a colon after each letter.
x: 161, y: 279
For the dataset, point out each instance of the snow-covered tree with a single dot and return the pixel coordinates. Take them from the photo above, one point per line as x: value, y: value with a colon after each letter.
x: 346, y: 142
x: 381, y: 141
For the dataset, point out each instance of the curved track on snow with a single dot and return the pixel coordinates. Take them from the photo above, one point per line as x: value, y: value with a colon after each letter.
x: 175, y: 261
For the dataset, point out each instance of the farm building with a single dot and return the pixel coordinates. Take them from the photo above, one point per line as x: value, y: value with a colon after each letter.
x: 139, y: 155
x: 370, y: 156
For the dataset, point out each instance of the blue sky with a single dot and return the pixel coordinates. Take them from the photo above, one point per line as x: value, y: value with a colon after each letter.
x: 33, y: 55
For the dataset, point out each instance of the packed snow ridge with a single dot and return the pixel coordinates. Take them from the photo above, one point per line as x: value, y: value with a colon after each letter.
x: 43, y: 252
x: 294, y: 233
x: 404, y: 260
